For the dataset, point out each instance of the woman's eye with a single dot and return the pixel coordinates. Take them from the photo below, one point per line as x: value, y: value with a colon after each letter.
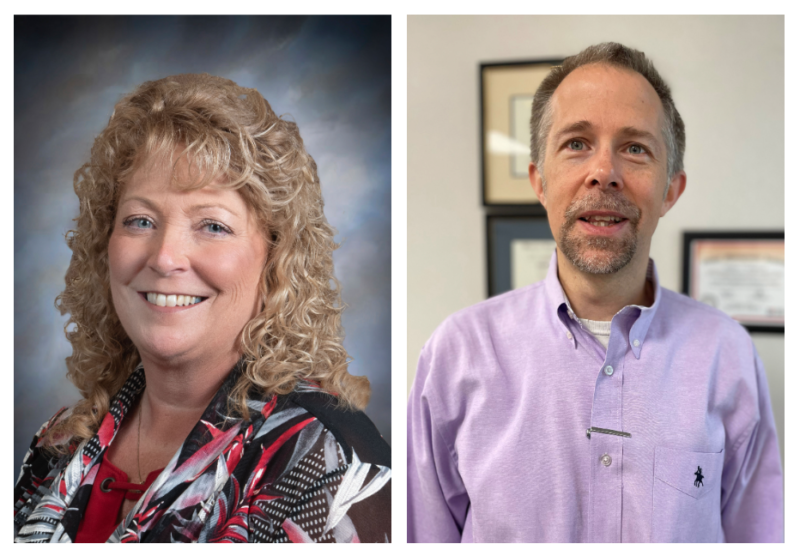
x: 140, y: 223
x: 636, y: 149
x: 576, y: 145
x: 216, y: 228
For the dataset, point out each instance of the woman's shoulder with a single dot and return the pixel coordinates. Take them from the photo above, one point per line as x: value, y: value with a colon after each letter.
x: 40, y: 438
x: 329, y: 475
x: 352, y: 429
x: 38, y: 462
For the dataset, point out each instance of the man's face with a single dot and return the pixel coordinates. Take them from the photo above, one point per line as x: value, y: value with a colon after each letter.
x: 605, y: 168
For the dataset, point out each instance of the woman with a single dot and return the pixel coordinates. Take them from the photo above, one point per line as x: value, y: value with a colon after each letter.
x: 205, y: 326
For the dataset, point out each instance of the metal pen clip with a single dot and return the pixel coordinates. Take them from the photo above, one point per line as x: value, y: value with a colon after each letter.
x: 590, y: 430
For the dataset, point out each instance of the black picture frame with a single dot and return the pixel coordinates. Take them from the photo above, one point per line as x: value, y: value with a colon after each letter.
x: 690, y: 237
x: 501, y: 230
x: 533, y: 208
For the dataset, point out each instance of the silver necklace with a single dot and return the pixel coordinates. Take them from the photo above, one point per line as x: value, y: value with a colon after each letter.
x: 138, y: 449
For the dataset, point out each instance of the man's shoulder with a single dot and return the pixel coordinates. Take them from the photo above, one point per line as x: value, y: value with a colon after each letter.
x: 700, y: 317
x: 508, y: 309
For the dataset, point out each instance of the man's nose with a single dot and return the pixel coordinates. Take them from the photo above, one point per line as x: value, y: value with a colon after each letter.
x: 169, y: 254
x: 604, y: 172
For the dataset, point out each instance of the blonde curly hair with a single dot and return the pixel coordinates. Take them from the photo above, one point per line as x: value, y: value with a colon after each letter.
x: 223, y: 130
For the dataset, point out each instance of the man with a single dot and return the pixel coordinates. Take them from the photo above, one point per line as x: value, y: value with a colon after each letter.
x: 595, y: 406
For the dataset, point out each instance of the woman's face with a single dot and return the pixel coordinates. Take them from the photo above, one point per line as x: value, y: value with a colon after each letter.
x: 184, y: 267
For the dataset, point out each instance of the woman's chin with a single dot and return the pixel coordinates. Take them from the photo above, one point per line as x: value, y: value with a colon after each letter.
x: 168, y: 349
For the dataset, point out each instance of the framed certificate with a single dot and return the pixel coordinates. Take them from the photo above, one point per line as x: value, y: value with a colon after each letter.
x: 740, y: 273
x: 519, y: 249
x: 507, y: 91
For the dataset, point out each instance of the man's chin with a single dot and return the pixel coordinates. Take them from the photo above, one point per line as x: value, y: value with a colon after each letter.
x: 599, y: 261
x: 597, y: 254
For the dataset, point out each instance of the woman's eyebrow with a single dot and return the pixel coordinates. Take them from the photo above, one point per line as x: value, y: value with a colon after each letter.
x: 150, y: 204
x: 194, y: 208
x: 197, y: 208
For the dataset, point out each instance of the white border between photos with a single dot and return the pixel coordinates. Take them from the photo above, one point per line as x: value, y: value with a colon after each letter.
x: 399, y: 277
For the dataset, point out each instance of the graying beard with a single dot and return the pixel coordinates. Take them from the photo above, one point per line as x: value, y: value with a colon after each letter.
x: 619, y: 255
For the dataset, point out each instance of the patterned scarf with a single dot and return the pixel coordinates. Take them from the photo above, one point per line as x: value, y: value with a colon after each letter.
x: 208, y: 492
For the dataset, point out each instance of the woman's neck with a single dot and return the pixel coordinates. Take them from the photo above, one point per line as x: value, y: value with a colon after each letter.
x: 179, y: 393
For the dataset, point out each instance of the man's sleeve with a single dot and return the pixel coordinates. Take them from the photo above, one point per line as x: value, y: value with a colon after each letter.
x: 752, y: 495
x: 437, y: 499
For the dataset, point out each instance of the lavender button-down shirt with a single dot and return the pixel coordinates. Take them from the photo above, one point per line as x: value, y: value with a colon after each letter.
x: 505, y: 391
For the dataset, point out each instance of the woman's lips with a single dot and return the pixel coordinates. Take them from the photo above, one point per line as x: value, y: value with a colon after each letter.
x: 170, y: 303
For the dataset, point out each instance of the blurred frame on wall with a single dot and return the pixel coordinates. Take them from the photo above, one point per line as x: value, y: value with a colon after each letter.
x: 519, y: 243
x: 519, y: 248
x: 506, y: 97
x: 740, y: 273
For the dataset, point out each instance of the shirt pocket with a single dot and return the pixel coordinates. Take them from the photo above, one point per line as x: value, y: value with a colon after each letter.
x: 686, y: 496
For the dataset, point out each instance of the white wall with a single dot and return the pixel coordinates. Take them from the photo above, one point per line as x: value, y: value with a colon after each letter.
x: 726, y: 74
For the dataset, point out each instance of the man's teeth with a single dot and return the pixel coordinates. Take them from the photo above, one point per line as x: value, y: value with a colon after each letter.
x: 603, y: 221
x: 172, y: 300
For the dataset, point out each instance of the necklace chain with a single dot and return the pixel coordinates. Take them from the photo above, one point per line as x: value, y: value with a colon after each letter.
x: 138, y: 439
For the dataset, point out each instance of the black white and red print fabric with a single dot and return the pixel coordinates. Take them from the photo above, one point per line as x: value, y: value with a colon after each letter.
x: 298, y: 470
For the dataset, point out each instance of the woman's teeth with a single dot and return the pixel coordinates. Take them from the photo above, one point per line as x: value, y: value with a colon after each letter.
x: 172, y: 300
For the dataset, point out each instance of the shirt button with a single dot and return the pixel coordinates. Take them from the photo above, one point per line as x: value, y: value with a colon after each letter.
x: 609, y: 370
x: 636, y: 343
x: 606, y: 460
x: 569, y: 335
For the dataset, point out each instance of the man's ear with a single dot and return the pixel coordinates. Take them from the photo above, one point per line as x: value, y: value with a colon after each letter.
x: 676, y: 186
x: 535, y: 178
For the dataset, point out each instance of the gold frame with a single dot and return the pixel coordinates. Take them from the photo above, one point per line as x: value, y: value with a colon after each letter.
x: 507, y: 91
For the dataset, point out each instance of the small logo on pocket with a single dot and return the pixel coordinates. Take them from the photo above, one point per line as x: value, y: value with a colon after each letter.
x: 698, y: 481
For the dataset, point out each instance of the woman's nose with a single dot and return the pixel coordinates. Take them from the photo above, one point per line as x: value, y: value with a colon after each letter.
x: 169, y: 253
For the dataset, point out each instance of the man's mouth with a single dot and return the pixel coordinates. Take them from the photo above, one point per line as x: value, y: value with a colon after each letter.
x: 171, y: 300
x: 602, y: 220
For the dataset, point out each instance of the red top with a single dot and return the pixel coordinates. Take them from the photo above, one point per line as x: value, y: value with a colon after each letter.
x: 100, y: 518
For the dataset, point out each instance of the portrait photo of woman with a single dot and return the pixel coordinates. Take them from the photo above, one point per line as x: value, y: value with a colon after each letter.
x: 215, y: 397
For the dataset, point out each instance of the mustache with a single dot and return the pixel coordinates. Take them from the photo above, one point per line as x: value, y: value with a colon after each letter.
x: 611, y: 202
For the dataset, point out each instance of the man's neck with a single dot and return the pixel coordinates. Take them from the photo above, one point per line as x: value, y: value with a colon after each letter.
x: 601, y: 296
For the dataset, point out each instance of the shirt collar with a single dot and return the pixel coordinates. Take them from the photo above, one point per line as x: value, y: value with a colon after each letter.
x: 642, y: 316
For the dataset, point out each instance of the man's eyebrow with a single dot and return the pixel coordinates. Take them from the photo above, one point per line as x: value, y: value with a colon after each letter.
x: 575, y: 127
x: 635, y: 132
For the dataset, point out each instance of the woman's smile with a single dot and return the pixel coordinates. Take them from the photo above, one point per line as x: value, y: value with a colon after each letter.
x: 165, y: 302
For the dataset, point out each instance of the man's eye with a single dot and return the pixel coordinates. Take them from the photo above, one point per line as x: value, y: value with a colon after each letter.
x: 576, y: 145
x: 636, y: 149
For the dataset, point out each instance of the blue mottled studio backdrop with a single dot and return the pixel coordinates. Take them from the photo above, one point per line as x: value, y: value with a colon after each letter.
x: 330, y: 74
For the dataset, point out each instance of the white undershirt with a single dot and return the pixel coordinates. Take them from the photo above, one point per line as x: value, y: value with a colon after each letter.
x: 600, y: 329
